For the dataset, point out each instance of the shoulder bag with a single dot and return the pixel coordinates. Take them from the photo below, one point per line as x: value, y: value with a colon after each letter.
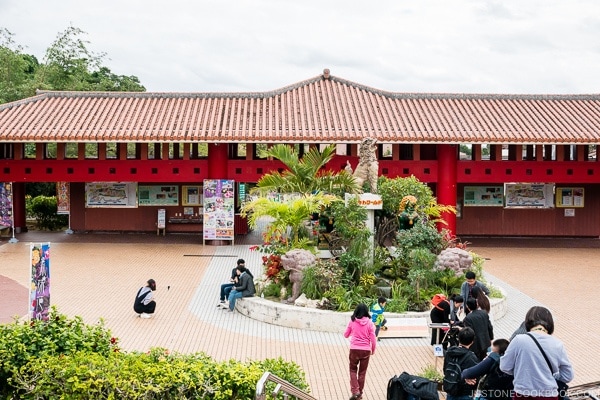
x: 562, y: 386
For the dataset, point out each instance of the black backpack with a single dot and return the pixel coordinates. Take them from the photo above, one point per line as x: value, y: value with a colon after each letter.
x: 395, y: 390
x: 496, y: 379
x: 137, y: 304
x: 452, y: 376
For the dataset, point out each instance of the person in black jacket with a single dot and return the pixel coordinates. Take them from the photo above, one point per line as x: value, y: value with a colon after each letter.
x: 245, y: 287
x: 479, y: 321
x: 226, y: 287
x: 439, y: 314
x: 466, y: 359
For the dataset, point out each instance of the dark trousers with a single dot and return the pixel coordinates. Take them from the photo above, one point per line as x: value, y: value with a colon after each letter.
x: 225, y: 289
x: 378, y: 327
x: 359, y: 362
x: 146, y: 308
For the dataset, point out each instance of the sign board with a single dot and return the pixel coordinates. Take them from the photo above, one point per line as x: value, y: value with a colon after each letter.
x: 369, y: 201
x: 158, y: 195
x: 219, y: 209
x: 161, y: 223
x: 110, y: 194
x: 526, y: 195
x: 438, y: 350
x: 483, y: 196
x: 569, y: 197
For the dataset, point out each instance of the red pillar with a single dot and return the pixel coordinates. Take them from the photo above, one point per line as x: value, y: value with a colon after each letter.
x: 20, y: 217
x: 446, y: 185
x: 217, y: 161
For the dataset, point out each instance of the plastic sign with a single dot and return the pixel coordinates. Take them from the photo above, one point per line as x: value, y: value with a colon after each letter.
x: 369, y: 201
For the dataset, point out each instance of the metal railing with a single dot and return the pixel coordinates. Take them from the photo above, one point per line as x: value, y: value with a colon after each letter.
x: 286, y: 389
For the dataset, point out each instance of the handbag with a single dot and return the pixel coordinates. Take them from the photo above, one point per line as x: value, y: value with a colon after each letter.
x: 562, y: 386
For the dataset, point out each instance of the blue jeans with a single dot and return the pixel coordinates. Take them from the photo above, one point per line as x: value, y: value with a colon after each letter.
x: 233, y: 296
x: 225, y: 289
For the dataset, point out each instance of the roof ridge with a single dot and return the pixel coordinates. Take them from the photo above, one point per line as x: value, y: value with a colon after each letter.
x: 466, y: 96
x: 201, y: 95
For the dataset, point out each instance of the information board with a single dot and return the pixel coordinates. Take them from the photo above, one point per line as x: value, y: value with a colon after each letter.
x: 219, y: 209
x: 483, y: 196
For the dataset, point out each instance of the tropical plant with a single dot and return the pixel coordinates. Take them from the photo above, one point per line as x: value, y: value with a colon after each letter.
x: 306, y: 175
x: 321, y: 277
x: 350, y: 226
x: 288, y: 217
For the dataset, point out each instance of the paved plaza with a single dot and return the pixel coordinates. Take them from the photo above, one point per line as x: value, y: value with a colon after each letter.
x: 97, y: 275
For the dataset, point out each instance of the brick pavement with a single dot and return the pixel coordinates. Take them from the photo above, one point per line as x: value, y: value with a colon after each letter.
x: 96, y: 276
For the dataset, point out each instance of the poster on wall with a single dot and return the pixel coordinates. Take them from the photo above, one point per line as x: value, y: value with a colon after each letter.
x: 62, y: 197
x: 191, y: 196
x: 569, y: 197
x: 111, y: 194
x: 6, y: 198
x: 219, y: 209
x: 483, y: 196
x: 538, y: 195
x: 158, y: 195
x: 39, y: 289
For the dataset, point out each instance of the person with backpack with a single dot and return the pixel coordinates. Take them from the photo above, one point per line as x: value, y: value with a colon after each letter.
x: 363, y: 342
x: 494, y: 384
x: 457, y: 359
x: 537, y: 360
x: 377, y: 315
x: 144, y: 303
x: 439, y: 314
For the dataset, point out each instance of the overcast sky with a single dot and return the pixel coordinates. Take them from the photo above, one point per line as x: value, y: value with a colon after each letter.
x: 463, y: 46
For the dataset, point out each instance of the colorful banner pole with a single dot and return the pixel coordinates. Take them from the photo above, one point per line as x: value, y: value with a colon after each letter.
x: 39, y: 288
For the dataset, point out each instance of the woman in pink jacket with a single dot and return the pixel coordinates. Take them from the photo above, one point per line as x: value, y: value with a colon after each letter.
x: 362, y: 345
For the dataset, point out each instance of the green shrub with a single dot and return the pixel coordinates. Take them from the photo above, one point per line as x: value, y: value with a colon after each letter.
x: 272, y: 290
x: 320, y: 277
x: 22, y: 342
x: 157, y: 374
x: 44, y: 210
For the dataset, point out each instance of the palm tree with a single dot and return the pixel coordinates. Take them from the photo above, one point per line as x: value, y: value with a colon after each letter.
x: 306, y: 175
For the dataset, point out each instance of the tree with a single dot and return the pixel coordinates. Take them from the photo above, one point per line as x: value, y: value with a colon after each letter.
x: 16, y: 69
x: 67, y: 65
x: 305, y: 175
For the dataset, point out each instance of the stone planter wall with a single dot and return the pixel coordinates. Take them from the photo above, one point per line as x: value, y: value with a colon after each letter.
x: 314, y: 319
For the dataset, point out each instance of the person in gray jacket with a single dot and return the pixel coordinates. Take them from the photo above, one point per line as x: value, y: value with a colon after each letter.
x: 524, y: 360
x: 244, y: 288
x: 466, y: 290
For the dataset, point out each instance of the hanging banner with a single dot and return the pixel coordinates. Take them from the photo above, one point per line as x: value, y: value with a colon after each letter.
x: 111, y: 194
x: 219, y: 209
x: 39, y: 290
x: 526, y: 195
x: 6, y: 198
x: 63, y: 197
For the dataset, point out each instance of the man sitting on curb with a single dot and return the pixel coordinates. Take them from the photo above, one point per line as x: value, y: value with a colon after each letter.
x: 245, y: 287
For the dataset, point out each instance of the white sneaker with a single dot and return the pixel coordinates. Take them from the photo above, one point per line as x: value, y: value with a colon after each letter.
x: 146, y: 316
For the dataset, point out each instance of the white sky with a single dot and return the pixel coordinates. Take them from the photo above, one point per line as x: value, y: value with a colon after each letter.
x: 448, y: 46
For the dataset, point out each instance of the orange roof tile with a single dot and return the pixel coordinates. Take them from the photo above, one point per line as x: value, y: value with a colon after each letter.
x: 316, y: 110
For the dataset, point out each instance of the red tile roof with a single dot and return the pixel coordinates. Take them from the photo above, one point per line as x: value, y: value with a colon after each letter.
x: 316, y: 110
